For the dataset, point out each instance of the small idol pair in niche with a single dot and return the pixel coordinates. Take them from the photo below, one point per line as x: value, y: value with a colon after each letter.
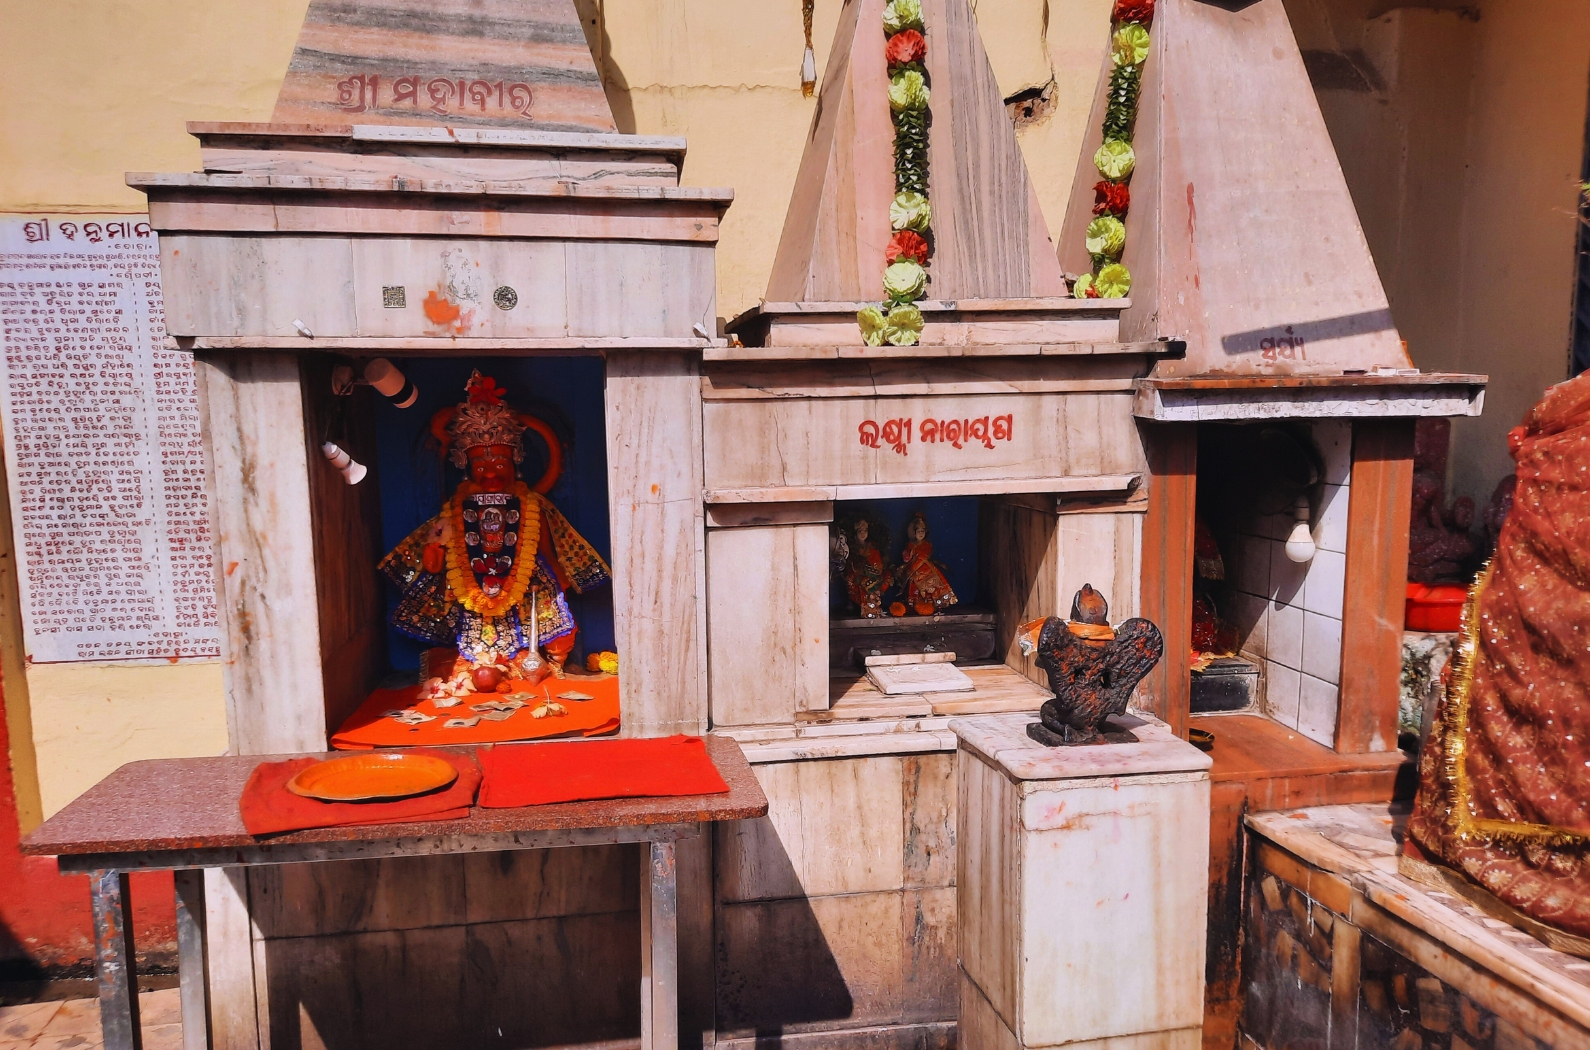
x: 923, y: 588
x: 485, y: 580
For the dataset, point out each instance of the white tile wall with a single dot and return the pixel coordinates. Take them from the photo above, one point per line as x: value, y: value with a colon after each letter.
x: 1286, y: 576
x: 1322, y: 647
x: 1282, y: 686
x: 1316, y: 714
x: 1284, y: 636
x: 1335, y: 441
x: 1330, y: 523
x: 1327, y: 575
x: 1291, y: 614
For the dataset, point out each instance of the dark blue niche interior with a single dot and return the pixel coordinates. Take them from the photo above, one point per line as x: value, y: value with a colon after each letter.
x: 952, y: 529
x: 566, y: 392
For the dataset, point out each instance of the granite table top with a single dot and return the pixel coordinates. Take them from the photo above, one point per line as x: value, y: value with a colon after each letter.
x: 191, y: 804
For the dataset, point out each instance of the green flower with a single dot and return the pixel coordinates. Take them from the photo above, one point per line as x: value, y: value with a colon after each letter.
x: 1114, y: 281
x: 910, y: 211
x: 904, y: 326
x: 904, y: 281
x: 907, y: 91
x: 871, y: 320
x: 1079, y: 290
x: 902, y: 14
x: 1115, y: 159
x: 1129, y: 46
x: 1106, y: 236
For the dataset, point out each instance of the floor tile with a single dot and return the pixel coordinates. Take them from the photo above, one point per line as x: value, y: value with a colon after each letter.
x: 72, y: 1041
x: 160, y: 1007
x: 163, y: 1037
x: 19, y: 1024
x: 75, y: 1017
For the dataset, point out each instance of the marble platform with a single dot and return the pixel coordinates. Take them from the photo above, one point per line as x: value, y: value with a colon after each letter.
x: 1081, y: 889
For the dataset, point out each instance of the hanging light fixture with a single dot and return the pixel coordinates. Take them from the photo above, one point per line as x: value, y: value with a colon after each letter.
x: 1300, y: 541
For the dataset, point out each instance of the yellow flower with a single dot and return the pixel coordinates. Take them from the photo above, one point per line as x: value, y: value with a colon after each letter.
x: 1106, y: 236
x: 1129, y: 46
x: 910, y: 211
x: 607, y: 663
x: 904, y: 281
x: 904, y: 325
x: 1114, y: 281
x: 1115, y: 159
x: 1079, y: 289
x: 871, y: 320
x: 902, y: 14
x: 907, y: 91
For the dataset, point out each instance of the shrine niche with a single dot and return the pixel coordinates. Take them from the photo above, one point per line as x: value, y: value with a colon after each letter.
x: 448, y: 366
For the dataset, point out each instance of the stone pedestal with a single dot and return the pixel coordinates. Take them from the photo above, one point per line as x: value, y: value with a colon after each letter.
x: 1081, y: 889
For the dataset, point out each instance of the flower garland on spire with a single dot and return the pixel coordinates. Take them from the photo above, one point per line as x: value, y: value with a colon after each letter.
x: 1112, y: 196
x: 898, y: 321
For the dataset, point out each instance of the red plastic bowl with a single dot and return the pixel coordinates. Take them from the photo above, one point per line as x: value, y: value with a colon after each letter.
x: 1435, y: 608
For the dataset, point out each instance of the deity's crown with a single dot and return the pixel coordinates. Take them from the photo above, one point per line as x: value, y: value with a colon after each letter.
x: 484, y: 419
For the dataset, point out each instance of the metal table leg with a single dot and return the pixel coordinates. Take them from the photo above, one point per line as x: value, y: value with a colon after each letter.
x: 659, y: 947
x: 192, y: 963
x: 114, y: 960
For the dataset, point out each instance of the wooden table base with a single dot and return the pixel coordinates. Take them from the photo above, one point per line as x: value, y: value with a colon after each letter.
x: 118, y: 985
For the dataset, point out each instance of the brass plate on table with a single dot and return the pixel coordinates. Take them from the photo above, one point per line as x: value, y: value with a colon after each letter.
x: 366, y: 778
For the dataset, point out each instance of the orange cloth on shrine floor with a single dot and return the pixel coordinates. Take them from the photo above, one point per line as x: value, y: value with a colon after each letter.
x: 269, y: 808
x: 536, y: 774
x: 368, y: 727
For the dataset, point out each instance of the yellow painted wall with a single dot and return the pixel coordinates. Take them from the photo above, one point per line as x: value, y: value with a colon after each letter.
x: 90, y: 718
x: 1462, y: 144
x: 110, y: 83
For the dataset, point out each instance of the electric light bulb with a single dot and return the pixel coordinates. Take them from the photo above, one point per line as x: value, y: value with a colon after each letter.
x: 1300, y: 544
x: 352, y: 470
x: 1300, y: 541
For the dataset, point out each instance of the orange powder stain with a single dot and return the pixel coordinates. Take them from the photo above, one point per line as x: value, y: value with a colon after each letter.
x: 439, y: 310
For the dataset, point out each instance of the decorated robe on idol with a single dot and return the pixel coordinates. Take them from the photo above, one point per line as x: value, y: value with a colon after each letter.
x: 487, y: 576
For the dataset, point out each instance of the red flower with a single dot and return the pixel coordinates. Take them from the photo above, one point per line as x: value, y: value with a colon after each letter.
x: 906, y: 244
x: 484, y: 390
x: 1134, y: 11
x: 907, y: 46
x: 1111, y: 198
x: 1093, y: 292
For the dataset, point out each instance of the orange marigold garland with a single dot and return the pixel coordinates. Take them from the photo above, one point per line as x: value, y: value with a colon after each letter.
x: 462, y: 581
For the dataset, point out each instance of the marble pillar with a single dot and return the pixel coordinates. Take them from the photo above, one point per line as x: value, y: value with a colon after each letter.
x: 1081, y: 889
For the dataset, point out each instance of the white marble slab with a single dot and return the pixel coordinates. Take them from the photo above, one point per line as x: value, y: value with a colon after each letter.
x: 936, y: 677
x: 1003, y: 741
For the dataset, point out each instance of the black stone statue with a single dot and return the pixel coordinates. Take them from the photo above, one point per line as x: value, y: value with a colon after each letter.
x: 1092, y: 670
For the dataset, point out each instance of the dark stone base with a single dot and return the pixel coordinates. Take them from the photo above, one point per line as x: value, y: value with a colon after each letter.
x: 1069, y: 737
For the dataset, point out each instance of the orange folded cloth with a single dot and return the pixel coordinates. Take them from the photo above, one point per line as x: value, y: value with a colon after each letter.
x: 536, y: 774
x: 369, y: 727
x: 269, y: 808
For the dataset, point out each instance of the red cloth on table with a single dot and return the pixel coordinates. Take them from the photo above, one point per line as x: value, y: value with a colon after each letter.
x: 536, y: 774
x: 269, y: 808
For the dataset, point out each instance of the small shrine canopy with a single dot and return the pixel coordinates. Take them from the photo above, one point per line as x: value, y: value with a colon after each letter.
x: 519, y: 64
x: 1242, y: 238
x: 989, y: 236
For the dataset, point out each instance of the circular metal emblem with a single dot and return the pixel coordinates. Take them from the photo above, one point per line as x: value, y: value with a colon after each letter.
x: 505, y: 298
